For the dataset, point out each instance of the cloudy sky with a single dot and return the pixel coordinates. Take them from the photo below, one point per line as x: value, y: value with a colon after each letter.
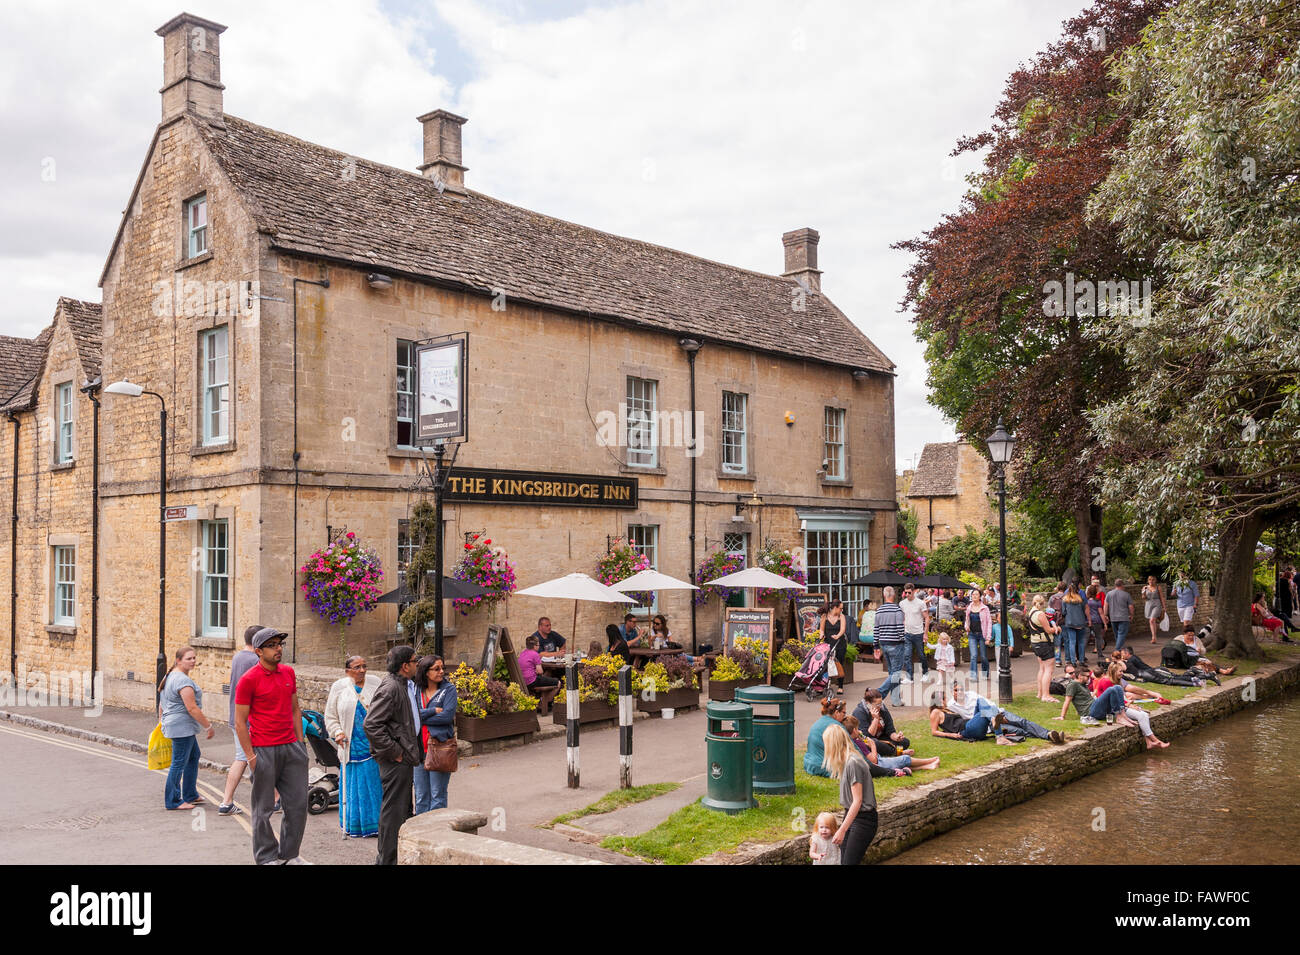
x: 705, y: 126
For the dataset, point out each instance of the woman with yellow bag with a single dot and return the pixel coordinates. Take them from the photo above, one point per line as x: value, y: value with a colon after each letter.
x: 181, y: 716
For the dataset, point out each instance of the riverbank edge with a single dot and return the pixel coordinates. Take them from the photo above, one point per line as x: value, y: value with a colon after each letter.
x: 918, y: 813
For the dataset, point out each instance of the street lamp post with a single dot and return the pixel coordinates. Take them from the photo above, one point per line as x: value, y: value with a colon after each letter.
x: 1001, y: 444
x: 135, y: 391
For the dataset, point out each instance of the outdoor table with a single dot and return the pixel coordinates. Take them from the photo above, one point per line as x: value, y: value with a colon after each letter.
x: 643, y: 655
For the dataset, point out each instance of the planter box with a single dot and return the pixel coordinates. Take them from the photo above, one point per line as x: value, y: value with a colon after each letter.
x: 782, y: 680
x: 476, y: 729
x: 684, y: 699
x: 591, y: 711
x: 848, y: 672
x: 723, y: 691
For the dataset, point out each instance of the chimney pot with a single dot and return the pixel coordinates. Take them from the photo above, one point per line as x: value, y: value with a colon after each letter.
x: 801, y: 258
x: 192, y: 68
x: 442, y: 150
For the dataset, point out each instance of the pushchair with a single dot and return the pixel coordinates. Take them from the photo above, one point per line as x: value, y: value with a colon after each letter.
x: 811, y: 677
x: 322, y: 784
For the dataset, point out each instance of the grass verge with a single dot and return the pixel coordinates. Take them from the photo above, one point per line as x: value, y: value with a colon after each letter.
x: 616, y: 800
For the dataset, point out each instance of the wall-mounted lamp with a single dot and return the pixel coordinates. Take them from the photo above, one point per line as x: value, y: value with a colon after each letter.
x: 789, y: 419
x: 861, y: 374
x: 378, y: 281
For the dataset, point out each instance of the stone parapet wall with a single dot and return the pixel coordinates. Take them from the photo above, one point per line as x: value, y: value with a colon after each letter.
x: 914, y: 815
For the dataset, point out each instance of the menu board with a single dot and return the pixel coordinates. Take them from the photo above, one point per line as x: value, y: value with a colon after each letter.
x: 806, y: 606
x: 754, y: 623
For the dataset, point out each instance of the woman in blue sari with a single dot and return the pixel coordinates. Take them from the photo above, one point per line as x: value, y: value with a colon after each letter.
x: 345, y: 715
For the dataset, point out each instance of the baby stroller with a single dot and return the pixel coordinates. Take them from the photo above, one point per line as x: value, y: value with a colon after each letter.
x: 322, y: 785
x: 811, y: 677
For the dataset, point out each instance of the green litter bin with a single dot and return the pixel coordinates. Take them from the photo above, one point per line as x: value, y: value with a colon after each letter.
x: 773, y: 749
x: 729, y: 765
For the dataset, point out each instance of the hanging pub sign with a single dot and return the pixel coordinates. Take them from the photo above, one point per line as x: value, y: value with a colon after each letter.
x: 495, y: 486
x: 440, y: 412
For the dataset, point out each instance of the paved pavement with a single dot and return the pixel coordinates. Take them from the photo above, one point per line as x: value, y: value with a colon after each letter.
x: 55, y: 803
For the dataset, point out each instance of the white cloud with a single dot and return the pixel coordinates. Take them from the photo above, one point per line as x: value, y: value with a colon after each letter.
x: 711, y: 128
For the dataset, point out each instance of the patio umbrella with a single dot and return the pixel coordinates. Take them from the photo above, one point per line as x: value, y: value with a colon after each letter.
x: 452, y: 589
x: 576, y: 587
x: 944, y: 582
x: 881, y: 578
x: 757, y: 578
x: 651, y: 580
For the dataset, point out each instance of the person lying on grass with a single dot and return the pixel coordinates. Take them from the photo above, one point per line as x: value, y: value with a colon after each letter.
x: 1007, y: 726
x: 905, y: 763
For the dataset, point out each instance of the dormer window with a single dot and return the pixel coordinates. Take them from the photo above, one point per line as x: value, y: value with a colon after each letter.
x: 196, y: 226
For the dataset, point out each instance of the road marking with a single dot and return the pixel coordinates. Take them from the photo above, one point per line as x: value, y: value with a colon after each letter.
x: 94, y: 750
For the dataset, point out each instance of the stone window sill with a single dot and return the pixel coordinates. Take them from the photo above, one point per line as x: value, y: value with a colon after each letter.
x: 197, y: 260
x: 834, y: 482
x: 736, y: 476
x: 60, y: 630
x: 201, y: 449
x: 63, y: 465
x: 632, y: 469
x: 396, y: 451
x: 215, y: 643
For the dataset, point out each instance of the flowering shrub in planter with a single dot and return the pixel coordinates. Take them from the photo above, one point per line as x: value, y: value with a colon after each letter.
x: 488, y: 566
x: 597, y: 680
x: 621, y: 563
x: 342, y: 580
x: 786, y: 663
x: 718, y: 564
x: 779, y: 561
x: 738, y: 665
x: 478, y: 695
x: 905, y: 561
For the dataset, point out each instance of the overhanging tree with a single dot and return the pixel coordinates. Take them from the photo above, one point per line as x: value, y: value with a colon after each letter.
x: 979, y: 279
x: 1205, y: 448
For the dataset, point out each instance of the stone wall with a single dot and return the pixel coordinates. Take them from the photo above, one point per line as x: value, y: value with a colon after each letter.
x: 913, y: 815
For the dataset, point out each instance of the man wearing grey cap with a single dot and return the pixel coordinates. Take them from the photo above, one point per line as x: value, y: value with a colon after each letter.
x: 268, y: 722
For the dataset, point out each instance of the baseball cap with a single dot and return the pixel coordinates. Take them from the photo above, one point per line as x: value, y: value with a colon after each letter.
x: 265, y: 634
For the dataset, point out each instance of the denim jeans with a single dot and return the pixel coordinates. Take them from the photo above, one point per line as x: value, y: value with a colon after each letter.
x: 916, y: 645
x: 979, y: 652
x: 1021, y: 725
x: 430, y: 789
x: 1121, y: 632
x: 894, y: 762
x: 976, y: 728
x: 1074, y: 644
x: 896, y: 654
x: 183, y: 776
x: 1110, y: 702
x: 1057, y: 639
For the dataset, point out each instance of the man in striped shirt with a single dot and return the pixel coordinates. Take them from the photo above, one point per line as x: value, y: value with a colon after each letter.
x: 891, y: 640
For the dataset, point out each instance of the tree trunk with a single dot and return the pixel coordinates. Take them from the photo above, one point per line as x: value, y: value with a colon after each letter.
x: 1087, y: 529
x: 1232, y: 631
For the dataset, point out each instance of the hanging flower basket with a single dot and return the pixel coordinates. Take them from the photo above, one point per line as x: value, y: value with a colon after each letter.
x: 718, y: 564
x: 490, y: 567
x: 779, y: 561
x: 903, y: 560
x: 620, y: 563
x: 342, y: 580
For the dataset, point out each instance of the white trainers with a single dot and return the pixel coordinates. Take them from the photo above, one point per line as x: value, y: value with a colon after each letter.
x: 298, y: 860
x: 904, y: 680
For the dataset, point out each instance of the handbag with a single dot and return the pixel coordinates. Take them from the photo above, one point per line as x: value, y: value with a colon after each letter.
x: 441, y: 756
x: 1164, y: 622
x: 160, y: 749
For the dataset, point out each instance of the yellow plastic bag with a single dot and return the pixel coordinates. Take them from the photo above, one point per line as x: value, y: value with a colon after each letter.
x: 160, y: 749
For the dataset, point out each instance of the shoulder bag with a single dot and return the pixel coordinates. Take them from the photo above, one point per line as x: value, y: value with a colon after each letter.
x: 441, y: 755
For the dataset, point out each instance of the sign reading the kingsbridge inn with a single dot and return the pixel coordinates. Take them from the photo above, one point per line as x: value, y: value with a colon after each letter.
x: 493, y: 486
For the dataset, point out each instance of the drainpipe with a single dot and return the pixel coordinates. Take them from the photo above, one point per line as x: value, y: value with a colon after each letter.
x: 13, y: 561
x: 297, y: 455
x: 692, y: 347
x: 91, y: 391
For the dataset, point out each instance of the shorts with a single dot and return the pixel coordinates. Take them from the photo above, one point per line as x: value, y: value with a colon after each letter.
x: 1185, y: 614
x: 239, y: 753
x: 1044, y: 650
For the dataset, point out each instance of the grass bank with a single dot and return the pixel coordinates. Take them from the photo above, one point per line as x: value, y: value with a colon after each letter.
x: 617, y: 800
x: 694, y: 831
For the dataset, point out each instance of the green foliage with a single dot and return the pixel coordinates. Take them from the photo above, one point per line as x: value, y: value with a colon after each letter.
x: 616, y: 799
x: 786, y: 663
x: 908, y: 525
x: 851, y: 653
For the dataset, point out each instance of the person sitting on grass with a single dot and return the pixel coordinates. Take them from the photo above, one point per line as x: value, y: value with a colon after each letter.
x: 1115, y: 677
x: 1005, y: 723
x: 1112, y: 703
x: 833, y: 713
x: 1183, y: 649
x: 903, y: 763
x: 1076, y: 692
x: 1135, y: 668
x: 873, y: 716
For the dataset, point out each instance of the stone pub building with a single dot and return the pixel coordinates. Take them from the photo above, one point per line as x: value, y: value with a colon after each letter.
x: 270, y: 291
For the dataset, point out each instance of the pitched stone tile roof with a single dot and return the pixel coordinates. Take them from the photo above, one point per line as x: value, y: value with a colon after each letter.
x: 319, y: 202
x: 21, y: 361
x: 936, y: 472
x: 85, y: 319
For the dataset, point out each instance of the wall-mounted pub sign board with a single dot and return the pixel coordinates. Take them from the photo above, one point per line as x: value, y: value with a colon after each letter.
x: 495, y: 486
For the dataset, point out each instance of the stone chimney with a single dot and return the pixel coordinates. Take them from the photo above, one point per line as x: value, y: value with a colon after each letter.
x: 192, y: 68
x: 442, y: 150
x: 801, y: 258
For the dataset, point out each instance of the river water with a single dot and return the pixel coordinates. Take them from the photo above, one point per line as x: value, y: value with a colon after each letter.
x: 1225, y: 794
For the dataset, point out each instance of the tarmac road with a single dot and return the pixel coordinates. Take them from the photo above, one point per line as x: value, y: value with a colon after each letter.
x: 66, y: 801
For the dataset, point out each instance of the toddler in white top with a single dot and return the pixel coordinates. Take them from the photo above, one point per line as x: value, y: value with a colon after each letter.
x: 821, y: 849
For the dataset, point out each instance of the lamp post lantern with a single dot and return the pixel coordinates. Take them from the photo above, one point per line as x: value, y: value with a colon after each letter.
x: 132, y: 390
x: 1001, y: 445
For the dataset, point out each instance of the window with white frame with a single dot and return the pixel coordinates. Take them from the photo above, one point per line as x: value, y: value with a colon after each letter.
x: 406, y: 546
x: 214, y: 348
x: 734, y: 457
x: 835, y: 557
x: 196, y: 226
x: 215, y: 537
x: 405, y: 392
x: 65, y: 586
x: 63, y: 409
x: 834, y: 453
x: 642, y: 422
x: 644, y: 539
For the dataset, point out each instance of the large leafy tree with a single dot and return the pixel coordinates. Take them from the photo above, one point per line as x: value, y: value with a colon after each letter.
x: 977, y: 284
x: 1205, y: 447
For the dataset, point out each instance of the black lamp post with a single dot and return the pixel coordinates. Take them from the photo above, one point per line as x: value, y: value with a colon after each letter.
x: 1001, y: 445
x: 135, y: 391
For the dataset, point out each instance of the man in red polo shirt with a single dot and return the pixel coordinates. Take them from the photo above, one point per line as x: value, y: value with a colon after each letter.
x: 268, y: 722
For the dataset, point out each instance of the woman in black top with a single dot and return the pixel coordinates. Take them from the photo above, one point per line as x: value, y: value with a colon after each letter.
x: 617, y: 642
x: 833, y: 632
